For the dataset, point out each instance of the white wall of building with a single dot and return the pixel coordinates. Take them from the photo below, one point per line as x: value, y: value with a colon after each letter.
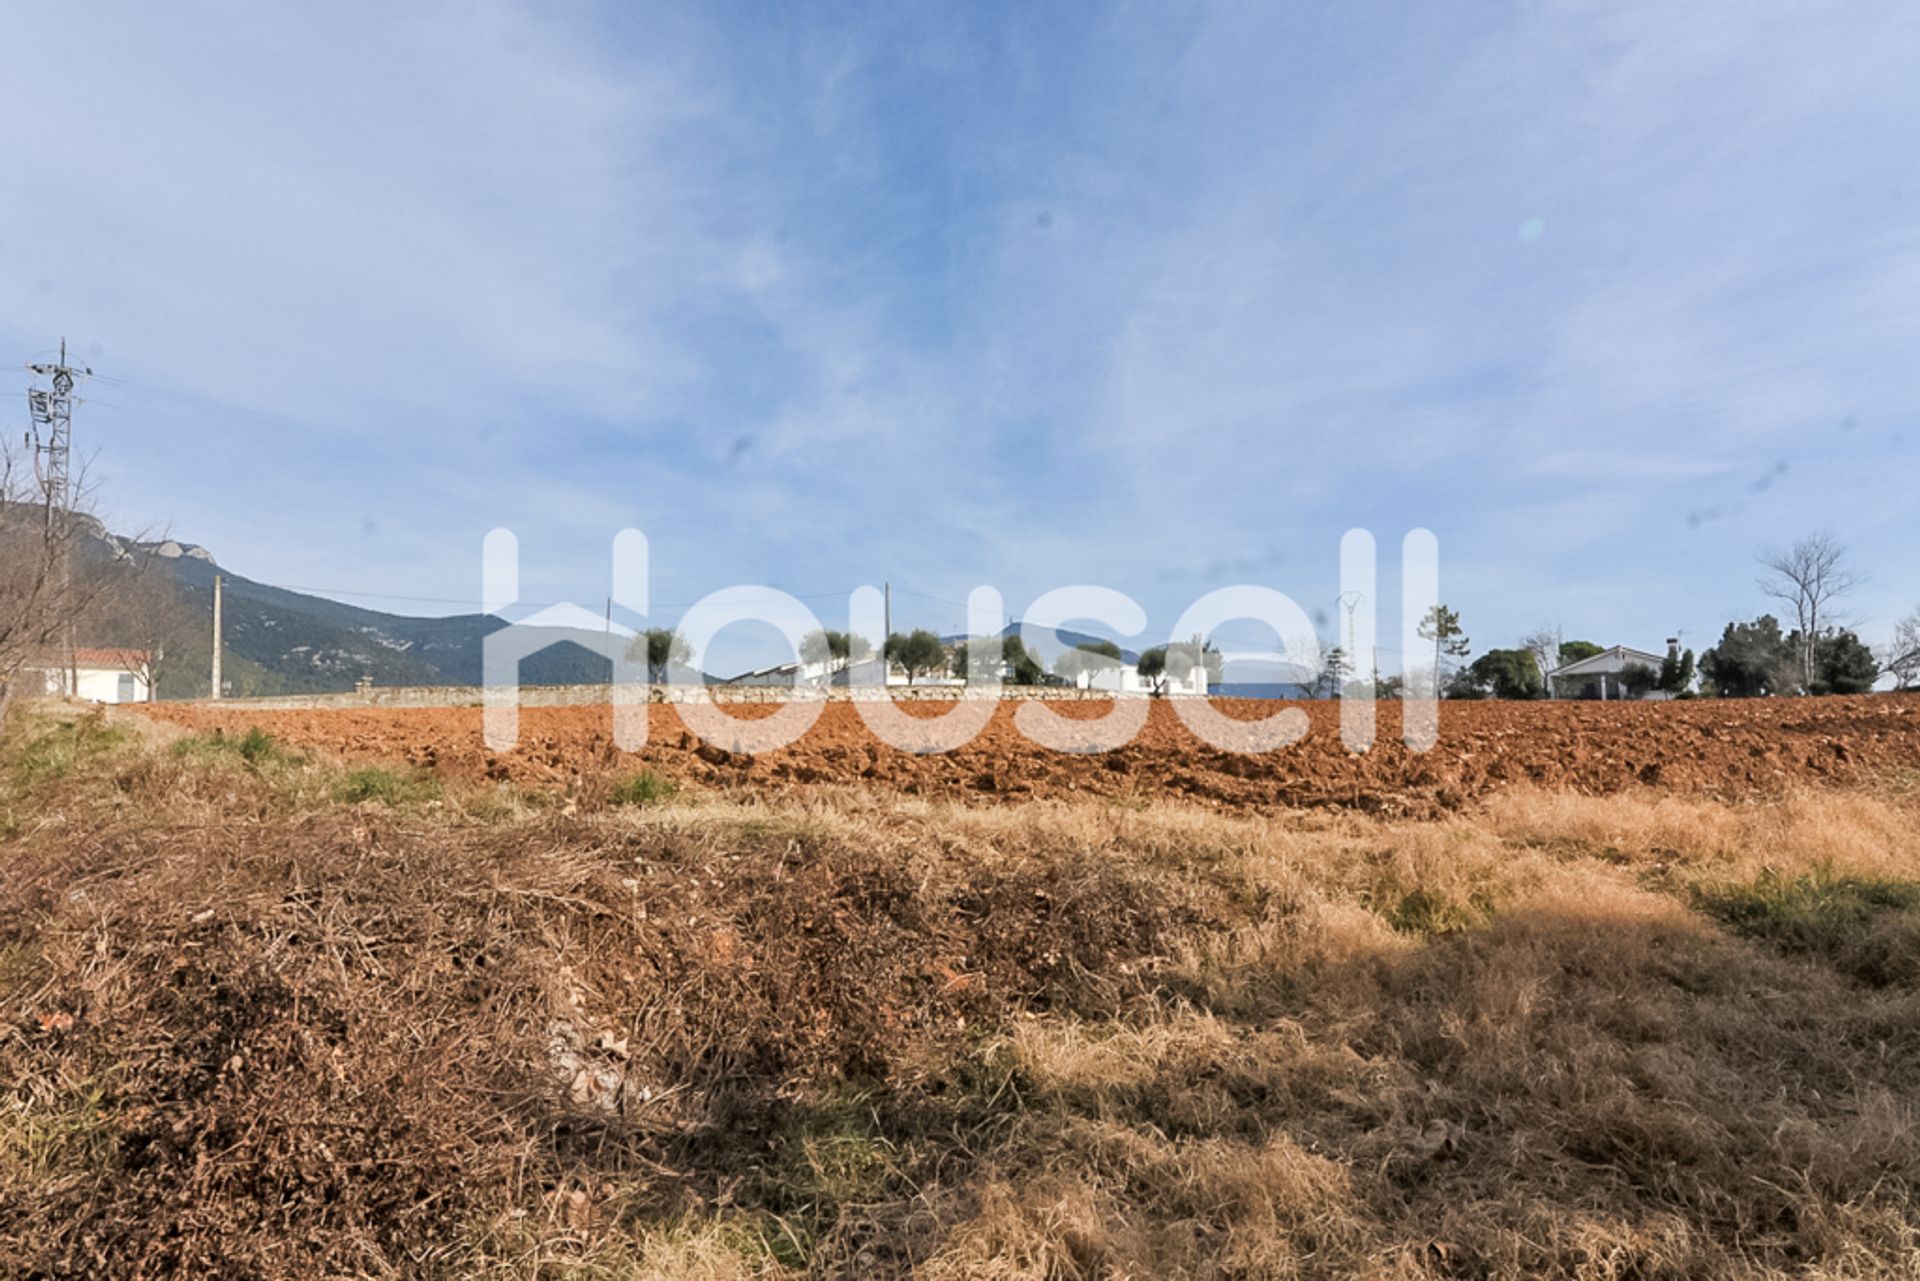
x: 98, y: 685
x: 1127, y: 680
x: 1600, y: 676
x: 1124, y: 679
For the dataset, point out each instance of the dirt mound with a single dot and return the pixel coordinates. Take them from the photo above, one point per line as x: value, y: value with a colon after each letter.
x: 1719, y: 747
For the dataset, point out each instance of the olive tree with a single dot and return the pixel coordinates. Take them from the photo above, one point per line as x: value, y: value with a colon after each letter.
x: 1089, y: 659
x: 917, y: 653
x: 663, y: 648
x: 833, y: 650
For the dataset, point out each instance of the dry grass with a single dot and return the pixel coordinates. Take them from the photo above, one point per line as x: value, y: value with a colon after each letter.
x: 260, y: 1016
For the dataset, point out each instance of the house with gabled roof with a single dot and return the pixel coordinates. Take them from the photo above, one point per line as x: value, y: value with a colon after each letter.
x: 1603, y: 675
x: 96, y: 675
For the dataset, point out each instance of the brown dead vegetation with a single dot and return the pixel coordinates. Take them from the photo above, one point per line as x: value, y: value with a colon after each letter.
x: 266, y: 1015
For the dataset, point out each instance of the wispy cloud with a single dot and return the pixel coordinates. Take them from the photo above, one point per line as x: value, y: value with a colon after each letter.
x: 1154, y: 297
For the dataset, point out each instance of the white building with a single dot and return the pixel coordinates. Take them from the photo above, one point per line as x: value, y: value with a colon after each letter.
x: 1122, y: 679
x: 98, y: 676
x: 1125, y: 680
x: 864, y: 671
x: 1602, y: 676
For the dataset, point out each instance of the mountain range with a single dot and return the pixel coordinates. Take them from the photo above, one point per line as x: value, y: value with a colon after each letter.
x: 312, y: 643
x: 158, y: 596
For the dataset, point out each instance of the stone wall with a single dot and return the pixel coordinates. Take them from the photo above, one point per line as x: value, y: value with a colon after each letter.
x: 583, y: 695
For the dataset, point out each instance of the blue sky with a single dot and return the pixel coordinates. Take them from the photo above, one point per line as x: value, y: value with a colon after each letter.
x: 1160, y: 297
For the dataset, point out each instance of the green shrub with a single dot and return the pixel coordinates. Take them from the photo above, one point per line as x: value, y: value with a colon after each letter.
x: 389, y: 787
x: 644, y: 788
x: 1432, y: 912
x: 1866, y: 928
x: 256, y: 747
x: 52, y: 753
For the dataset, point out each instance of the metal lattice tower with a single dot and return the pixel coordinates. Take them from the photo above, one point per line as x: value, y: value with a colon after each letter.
x: 1352, y: 602
x: 51, y: 439
x: 51, y: 409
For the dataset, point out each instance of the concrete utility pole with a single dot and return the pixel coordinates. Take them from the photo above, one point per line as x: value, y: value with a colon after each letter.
x: 885, y: 665
x: 216, y: 636
x: 51, y: 440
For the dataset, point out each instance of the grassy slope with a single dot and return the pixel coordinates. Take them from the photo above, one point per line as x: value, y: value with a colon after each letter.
x: 264, y: 1015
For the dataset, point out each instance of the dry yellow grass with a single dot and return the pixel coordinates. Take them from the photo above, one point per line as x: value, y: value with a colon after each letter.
x: 1646, y: 1035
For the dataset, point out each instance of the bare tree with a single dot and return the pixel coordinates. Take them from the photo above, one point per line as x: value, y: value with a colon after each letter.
x: 60, y: 571
x: 135, y: 607
x: 1304, y: 660
x: 1810, y: 577
x: 38, y: 595
x: 1544, y: 645
x: 1903, y: 656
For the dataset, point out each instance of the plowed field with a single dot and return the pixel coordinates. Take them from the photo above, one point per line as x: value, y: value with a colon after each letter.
x: 1719, y: 747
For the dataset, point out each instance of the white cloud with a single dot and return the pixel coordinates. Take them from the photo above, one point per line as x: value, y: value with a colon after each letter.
x: 1148, y: 297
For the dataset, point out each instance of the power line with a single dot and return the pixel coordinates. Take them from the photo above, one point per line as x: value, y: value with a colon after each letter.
x: 1238, y: 642
x: 938, y: 600
x: 181, y: 395
x: 458, y: 600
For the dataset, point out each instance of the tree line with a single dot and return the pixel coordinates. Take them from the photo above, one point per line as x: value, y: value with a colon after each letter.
x: 920, y: 654
x: 1814, y: 652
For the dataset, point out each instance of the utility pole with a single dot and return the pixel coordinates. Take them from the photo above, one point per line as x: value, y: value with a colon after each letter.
x: 887, y: 627
x: 216, y: 636
x: 51, y: 440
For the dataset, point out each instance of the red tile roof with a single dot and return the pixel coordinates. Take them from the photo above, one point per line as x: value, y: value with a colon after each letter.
x: 113, y: 660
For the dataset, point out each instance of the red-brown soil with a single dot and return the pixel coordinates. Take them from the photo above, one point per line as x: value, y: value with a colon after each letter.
x: 1713, y: 746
